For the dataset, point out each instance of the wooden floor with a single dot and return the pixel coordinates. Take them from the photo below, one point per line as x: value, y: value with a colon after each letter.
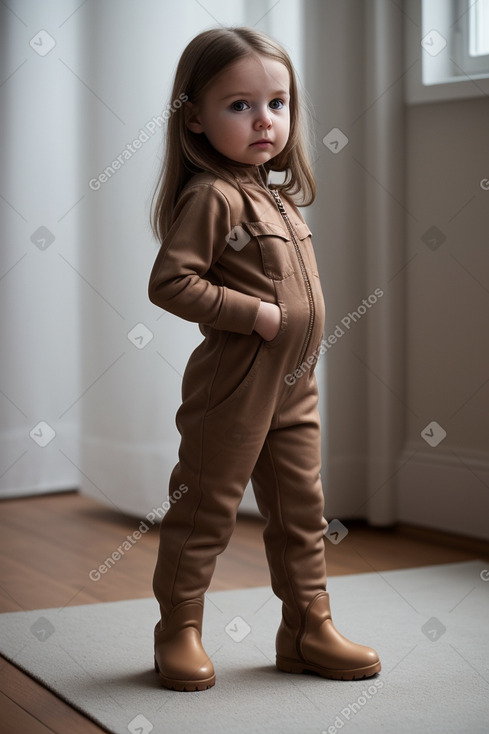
x: 49, y: 544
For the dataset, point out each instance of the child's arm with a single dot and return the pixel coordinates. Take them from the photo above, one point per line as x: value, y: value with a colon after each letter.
x: 196, y: 240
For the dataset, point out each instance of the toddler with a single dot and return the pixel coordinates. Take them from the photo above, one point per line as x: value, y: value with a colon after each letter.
x: 236, y: 257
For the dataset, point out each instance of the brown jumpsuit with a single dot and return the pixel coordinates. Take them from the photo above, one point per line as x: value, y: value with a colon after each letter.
x: 243, y: 413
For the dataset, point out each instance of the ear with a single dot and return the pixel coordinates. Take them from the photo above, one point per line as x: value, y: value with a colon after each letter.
x: 192, y: 118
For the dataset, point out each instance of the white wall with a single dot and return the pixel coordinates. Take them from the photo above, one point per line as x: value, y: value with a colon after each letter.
x: 447, y: 317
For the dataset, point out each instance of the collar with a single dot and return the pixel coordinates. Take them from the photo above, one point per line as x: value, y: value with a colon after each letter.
x: 252, y: 173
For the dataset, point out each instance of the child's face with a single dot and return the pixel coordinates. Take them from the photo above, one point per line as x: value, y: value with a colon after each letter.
x: 247, y: 103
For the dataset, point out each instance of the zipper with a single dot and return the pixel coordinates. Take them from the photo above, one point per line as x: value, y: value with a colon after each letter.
x: 305, y: 276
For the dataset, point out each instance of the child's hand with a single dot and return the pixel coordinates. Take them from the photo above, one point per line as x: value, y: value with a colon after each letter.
x: 268, y: 320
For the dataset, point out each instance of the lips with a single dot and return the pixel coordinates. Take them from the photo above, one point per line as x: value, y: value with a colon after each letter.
x: 262, y: 141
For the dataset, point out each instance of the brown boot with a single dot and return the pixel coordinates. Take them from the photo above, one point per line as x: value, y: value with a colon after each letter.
x: 317, y: 646
x: 180, y: 660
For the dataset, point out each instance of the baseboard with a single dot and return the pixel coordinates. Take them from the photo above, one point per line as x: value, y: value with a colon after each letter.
x: 17, y: 494
x: 477, y: 547
x: 444, y: 489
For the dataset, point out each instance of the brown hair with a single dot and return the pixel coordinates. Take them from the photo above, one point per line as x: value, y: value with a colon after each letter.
x: 188, y: 153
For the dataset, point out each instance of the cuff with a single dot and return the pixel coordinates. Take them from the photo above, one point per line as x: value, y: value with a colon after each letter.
x: 238, y: 312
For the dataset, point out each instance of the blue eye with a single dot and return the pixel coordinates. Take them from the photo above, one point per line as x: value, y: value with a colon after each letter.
x: 239, y: 106
x: 277, y: 104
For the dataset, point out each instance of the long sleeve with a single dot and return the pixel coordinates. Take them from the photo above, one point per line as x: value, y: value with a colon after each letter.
x: 194, y: 243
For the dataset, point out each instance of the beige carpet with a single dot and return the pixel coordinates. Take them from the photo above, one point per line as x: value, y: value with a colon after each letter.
x: 429, y: 625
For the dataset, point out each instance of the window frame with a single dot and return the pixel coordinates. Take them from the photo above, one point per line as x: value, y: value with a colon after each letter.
x: 452, y: 73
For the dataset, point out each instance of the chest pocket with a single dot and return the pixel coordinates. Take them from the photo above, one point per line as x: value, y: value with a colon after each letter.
x: 276, y: 247
x: 305, y: 240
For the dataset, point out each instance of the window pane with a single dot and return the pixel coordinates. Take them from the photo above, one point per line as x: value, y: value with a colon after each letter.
x: 479, y: 28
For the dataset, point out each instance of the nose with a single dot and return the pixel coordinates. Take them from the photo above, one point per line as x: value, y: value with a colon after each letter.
x: 263, y: 120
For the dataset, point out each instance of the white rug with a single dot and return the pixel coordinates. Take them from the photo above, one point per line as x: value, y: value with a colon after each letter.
x: 430, y: 627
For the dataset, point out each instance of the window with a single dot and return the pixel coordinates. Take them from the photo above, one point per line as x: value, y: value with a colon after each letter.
x: 479, y: 28
x: 478, y: 36
x: 447, y: 49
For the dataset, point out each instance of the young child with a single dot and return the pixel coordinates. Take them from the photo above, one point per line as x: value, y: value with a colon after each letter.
x: 237, y: 258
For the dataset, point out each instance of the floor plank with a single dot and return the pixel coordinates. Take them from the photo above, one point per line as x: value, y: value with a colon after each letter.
x: 14, y: 718
x: 26, y: 706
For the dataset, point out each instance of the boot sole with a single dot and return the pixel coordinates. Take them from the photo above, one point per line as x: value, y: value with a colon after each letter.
x: 294, y: 666
x: 185, y: 685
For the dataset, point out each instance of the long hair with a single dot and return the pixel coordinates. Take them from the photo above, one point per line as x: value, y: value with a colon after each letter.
x: 188, y: 153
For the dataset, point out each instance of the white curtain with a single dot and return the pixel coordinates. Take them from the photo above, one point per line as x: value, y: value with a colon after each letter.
x: 84, y: 350
x: 40, y: 188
